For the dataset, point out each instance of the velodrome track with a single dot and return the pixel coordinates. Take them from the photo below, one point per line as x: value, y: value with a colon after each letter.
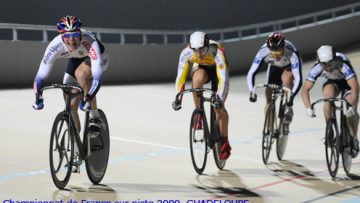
x: 150, y: 159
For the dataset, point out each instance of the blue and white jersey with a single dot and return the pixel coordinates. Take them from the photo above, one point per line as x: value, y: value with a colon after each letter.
x: 343, y: 70
x: 89, y: 46
x: 290, y: 58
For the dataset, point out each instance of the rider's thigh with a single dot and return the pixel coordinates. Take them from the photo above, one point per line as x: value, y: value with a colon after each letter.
x: 83, y: 72
x: 287, y: 77
x: 268, y: 93
x: 330, y: 91
x: 199, y: 78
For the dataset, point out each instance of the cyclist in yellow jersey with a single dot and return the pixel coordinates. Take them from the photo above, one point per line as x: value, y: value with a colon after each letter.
x: 209, y: 63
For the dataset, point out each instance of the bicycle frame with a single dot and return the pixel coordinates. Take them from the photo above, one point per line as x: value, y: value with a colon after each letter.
x: 69, y: 95
x: 273, y: 125
x: 342, y: 134
x: 211, y: 136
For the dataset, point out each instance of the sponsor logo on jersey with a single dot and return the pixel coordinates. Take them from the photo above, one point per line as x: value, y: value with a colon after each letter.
x: 92, y: 54
x: 51, y: 51
x: 81, y: 52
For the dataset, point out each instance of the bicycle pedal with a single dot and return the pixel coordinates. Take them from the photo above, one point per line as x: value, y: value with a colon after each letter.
x: 75, y: 169
x: 93, y: 135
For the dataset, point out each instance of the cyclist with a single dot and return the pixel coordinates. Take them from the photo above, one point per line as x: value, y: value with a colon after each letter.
x: 338, y: 75
x: 209, y: 63
x: 87, y: 61
x: 283, y: 68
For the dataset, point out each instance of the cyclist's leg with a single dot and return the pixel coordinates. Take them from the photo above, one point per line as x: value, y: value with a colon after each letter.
x: 69, y: 78
x: 287, y: 81
x: 84, y: 78
x: 199, y: 78
x: 330, y: 90
x: 353, y: 121
x: 273, y: 76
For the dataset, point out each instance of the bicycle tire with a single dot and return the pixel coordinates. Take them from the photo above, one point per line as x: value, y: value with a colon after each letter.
x: 268, y: 132
x: 96, y: 163
x: 331, y: 149
x: 217, y: 146
x: 282, y: 140
x: 61, y: 138
x: 346, y: 149
x: 198, y: 141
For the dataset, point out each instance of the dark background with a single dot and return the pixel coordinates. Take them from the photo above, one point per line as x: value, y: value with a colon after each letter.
x: 160, y: 14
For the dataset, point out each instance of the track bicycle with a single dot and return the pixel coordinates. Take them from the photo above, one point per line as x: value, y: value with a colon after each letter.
x: 203, y: 138
x: 337, y: 136
x: 273, y: 125
x: 94, y: 150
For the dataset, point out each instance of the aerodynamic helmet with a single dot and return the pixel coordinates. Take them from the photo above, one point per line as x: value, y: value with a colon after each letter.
x: 68, y: 24
x: 275, y: 41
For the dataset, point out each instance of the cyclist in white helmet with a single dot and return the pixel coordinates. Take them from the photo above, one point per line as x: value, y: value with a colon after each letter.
x: 87, y: 61
x: 338, y: 75
x: 209, y: 63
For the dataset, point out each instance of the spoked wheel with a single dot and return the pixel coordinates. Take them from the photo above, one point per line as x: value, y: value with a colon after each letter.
x: 331, y: 149
x: 198, y: 141
x: 61, y: 150
x: 346, y: 151
x: 281, y: 142
x: 217, y: 147
x: 268, y: 133
x: 96, y: 163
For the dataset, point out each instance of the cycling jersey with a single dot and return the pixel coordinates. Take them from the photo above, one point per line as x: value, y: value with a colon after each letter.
x: 215, y: 57
x: 290, y: 58
x: 89, y: 47
x: 342, y: 71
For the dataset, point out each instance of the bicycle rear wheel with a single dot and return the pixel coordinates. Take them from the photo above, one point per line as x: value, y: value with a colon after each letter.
x: 96, y: 163
x: 281, y: 142
x: 61, y: 150
x: 268, y: 132
x: 198, y: 140
x: 331, y: 149
x: 346, y: 150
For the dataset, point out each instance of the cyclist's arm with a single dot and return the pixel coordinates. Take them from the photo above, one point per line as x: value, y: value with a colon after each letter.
x: 183, y: 69
x: 95, y: 57
x: 222, y: 73
x: 259, y: 58
x: 51, y: 54
x: 297, y: 73
x: 314, y: 73
x: 308, y: 85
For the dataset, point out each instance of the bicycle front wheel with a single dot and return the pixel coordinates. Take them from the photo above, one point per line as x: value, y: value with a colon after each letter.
x: 331, y: 149
x: 61, y: 150
x: 268, y: 132
x: 198, y: 140
x: 96, y: 163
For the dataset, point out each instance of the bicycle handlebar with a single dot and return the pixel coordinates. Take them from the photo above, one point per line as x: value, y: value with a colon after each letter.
x: 280, y: 89
x: 330, y: 100
x: 65, y: 87
x: 199, y: 92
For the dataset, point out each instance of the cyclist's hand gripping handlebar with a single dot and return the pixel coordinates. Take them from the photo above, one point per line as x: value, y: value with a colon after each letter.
x: 38, y: 104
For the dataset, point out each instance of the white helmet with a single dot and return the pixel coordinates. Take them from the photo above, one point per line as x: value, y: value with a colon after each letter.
x: 325, y: 54
x: 198, y: 40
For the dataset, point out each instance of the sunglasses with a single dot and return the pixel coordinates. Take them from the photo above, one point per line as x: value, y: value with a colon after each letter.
x: 73, y: 35
x: 331, y: 64
x: 276, y: 53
